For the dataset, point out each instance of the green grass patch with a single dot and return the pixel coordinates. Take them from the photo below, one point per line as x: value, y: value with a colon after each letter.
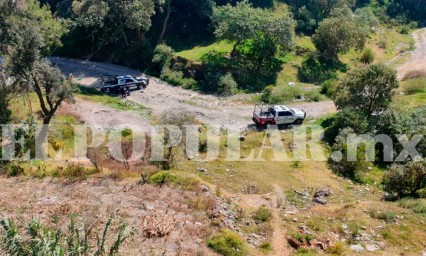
x: 197, y: 52
x: 227, y: 243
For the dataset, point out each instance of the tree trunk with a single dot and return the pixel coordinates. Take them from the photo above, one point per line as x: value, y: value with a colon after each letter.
x: 166, y: 19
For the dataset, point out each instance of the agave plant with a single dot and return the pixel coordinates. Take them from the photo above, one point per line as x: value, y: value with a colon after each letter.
x: 42, y: 241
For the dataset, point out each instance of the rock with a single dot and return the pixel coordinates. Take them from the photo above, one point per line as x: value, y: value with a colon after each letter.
x: 364, y: 227
x: 344, y: 226
x: 201, y: 170
x: 356, y: 248
x: 424, y: 253
x: 323, y: 192
x: 295, y: 219
x: 372, y: 247
x: 388, y: 197
x: 292, y: 84
x: 321, y: 201
x: 204, y: 188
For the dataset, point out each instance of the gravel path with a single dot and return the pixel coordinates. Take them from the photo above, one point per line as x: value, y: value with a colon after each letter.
x: 417, y: 61
x: 161, y: 97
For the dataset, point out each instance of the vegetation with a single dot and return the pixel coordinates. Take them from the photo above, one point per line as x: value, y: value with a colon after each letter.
x: 227, y: 243
x: 368, y: 89
x: 41, y: 240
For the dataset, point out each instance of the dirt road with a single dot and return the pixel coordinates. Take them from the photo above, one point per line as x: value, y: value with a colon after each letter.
x: 161, y: 97
x: 417, y: 61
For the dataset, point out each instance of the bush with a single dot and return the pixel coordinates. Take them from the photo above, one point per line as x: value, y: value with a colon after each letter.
x: 284, y: 93
x: 15, y: 170
x: 353, y: 169
x: 41, y: 240
x: 313, y: 70
x: 75, y: 171
x: 417, y: 205
x: 162, y: 178
x: 406, y: 180
x: 405, y: 30
x: 329, y: 88
x: 162, y: 55
x: 227, y: 85
x: 344, y: 119
x: 262, y: 214
x: 227, y: 243
x: 383, y: 44
x: 367, y: 56
x: 313, y: 95
x: 176, y: 78
x: 267, y: 93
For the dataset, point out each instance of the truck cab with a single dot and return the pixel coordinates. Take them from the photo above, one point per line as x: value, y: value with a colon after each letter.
x: 265, y: 115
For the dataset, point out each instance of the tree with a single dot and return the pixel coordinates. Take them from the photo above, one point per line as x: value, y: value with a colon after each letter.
x: 243, y: 22
x: 368, y: 89
x: 309, y: 13
x: 338, y: 34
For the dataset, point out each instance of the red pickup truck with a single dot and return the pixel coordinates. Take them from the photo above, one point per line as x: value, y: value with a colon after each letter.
x: 265, y: 115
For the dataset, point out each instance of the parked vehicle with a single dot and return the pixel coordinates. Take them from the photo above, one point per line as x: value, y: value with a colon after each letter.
x: 116, y: 84
x: 265, y: 115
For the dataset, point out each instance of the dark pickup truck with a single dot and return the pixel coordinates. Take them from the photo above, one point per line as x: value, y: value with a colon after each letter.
x: 116, y: 83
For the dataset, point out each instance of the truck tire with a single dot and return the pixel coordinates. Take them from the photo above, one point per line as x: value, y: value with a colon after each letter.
x: 298, y: 121
x: 138, y: 87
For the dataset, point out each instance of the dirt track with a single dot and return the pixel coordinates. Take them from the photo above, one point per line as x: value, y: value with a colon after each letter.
x: 212, y: 110
x: 161, y: 97
x: 417, y: 61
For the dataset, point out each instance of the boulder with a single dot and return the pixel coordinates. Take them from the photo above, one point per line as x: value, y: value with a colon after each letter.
x: 357, y: 248
x: 319, y: 200
x: 323, y: 192
x: 372, y: 247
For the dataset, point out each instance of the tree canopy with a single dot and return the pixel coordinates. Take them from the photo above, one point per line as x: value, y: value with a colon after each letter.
x: 339, y: 34
x: 368, y: 89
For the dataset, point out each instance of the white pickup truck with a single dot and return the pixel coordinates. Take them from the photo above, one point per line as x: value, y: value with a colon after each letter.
x: 265, y: 115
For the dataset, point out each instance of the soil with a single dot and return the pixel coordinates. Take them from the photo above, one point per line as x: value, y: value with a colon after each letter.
x: 94, y: 201
x: 417, y: 61
x: 160, y: 97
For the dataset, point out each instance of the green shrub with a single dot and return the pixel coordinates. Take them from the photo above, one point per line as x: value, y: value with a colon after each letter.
x: 75, y: 171
x: 41, y: 240
x: 267, y: 93
x: 339, y: 248
x: 266, y: 247
x: 383, y: 44
x: 227, y: 85
x: 329, y: 87
x: 367, y: 56
x: 313, y: 95
x: 15, y: 170
x: 162, y: 55
x: 405, y: 30
x: 345, y: 166
x: 315, y: 71
x: 406, y: 180
x: 417, y: 205
x: 227, y: 243
x: 284, y: 93
x: 162, y: 178
x: 262, y: 214
x: 176, y: 78
x: 387, y: 216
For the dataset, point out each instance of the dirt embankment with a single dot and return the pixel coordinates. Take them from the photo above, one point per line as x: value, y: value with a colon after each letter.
x: 94, y: 201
